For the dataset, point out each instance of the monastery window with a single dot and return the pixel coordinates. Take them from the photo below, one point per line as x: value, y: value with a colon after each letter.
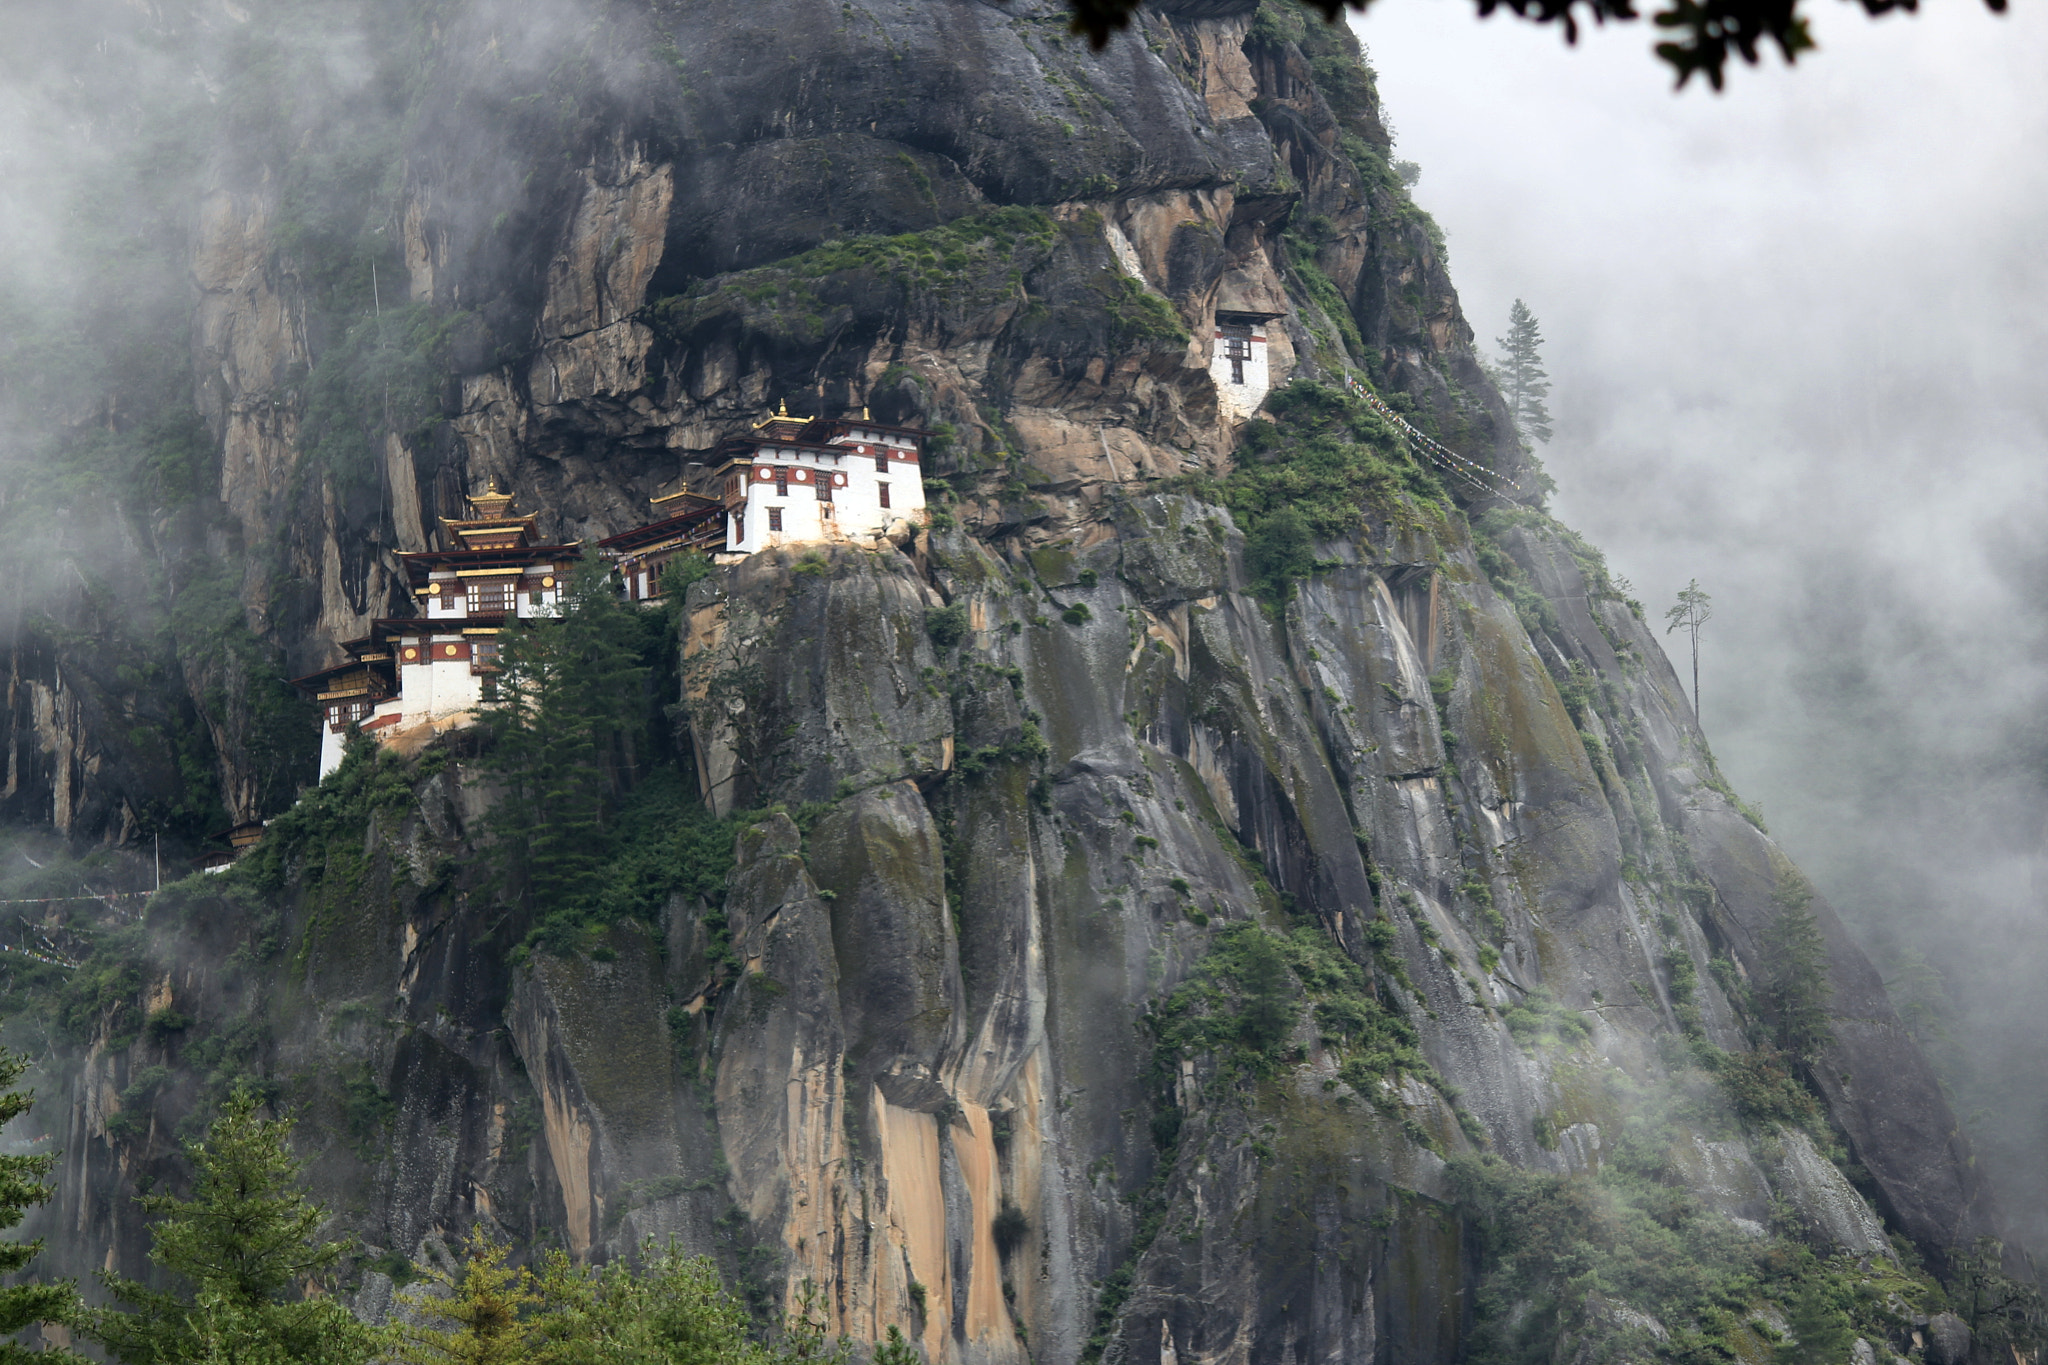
x: 884, y: 493
x: 775, y: 518
x: 487, y: 599
x: 824, y: 486
x: 342, y: 714
x: 1237, y: 347
x: 483, y: 657
x: 782, y: 483
x: 882, y: 464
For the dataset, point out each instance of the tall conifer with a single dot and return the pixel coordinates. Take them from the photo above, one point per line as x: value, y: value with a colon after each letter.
x: 248, y: 1243
x: 569, y: 721
x: 1796, y: 989
x: 22, y: 1187
x: 1523, y: 381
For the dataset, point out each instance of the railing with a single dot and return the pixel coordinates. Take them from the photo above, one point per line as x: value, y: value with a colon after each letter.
x: 1435, y: 451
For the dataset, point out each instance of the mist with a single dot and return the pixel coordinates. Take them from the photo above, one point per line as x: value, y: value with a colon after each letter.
x: 1796, y: 335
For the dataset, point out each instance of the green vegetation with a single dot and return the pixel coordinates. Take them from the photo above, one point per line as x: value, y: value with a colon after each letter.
x: 568, y: 727
x: 595, y: 823
x: 1523, y: 380
x: 1314, y: 473
x: 969, y: 262
x: 946, y: 626
x: 1539, y: 1020
x: 1795, y: 989
x: 1584, y: 1263
x: 24, y: 1304
x: 1244, y: 1002
x: 245, y: 1243
x: 382, y: 373
x: 255, y: 1279
x: 319, y: 843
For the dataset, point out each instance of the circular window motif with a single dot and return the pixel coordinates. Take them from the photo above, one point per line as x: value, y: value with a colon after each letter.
x: 411, y: 653
x: 548, y: 582
x: 802, y: 474
x: 452, y: 650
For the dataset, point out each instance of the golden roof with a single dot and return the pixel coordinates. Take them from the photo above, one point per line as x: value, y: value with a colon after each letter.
x: 490, y: 505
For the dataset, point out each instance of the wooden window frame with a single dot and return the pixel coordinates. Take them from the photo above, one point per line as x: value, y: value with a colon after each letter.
x: 484, y: 592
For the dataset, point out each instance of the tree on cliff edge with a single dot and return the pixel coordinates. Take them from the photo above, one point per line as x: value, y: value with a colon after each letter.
x: 1523, y: 380
x: 568, y: 725
x: 1795, y: 991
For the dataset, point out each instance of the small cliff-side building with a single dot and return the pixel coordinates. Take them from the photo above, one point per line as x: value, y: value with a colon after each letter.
x: 413, y: 677
x: 693, y: 522
x: 1240, y: 363
x: 796, y: 479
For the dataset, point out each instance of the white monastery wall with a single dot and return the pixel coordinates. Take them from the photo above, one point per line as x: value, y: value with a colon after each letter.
x: 856, y: 508
x: 1242, y: 385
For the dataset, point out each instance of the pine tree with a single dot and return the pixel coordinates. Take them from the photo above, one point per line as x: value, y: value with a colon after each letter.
x: 1796, y: 989
x: 1821, y: 1332
x: 894, y: 1350
x: 1523, y: 381
x: 248, y: 1242
x: 671, y: 1311
x: 1692, y: 610
x: 569, y: 720
x: 487, y: 1302
x: 22, y: 1187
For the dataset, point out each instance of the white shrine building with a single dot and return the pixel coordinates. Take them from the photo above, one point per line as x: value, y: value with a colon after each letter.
x: 1240, y: 364
x: 797, y: 479
x: 413, y: 677
x: 788, y: 481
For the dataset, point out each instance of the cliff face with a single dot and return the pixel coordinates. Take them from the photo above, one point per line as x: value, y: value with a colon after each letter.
x: 950, y: 1045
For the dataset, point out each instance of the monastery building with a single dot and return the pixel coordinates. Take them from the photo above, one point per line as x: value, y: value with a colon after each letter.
x: 789, y: 481
x: 413, y: 677
x: 1239, y: 363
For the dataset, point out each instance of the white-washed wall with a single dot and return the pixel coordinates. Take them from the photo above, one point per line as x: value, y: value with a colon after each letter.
x: 1234, y: 401
x: 855, y: 510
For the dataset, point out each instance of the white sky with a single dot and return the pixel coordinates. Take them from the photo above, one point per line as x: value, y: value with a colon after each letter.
x: 1792, y: 327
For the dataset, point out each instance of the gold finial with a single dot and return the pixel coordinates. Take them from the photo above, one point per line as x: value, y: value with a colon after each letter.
x: 782, y: 409
x: 864, y: 413
x: 491, y: 504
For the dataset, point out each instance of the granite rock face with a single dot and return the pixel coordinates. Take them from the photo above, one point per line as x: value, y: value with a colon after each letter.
x: 914, y: 1057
